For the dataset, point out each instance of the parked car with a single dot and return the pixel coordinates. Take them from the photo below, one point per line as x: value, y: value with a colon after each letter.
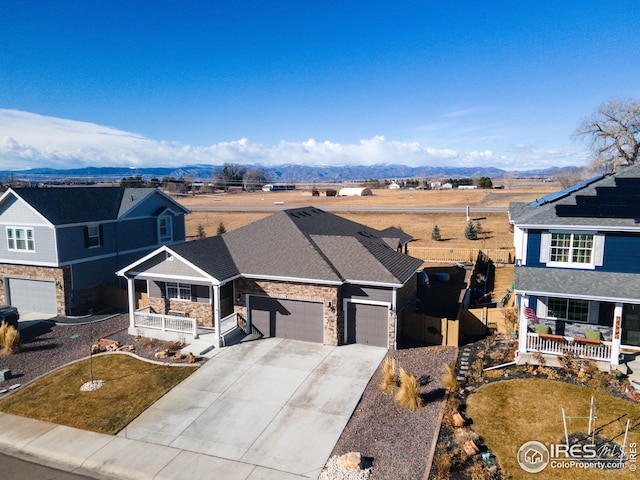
x: 9, y: 315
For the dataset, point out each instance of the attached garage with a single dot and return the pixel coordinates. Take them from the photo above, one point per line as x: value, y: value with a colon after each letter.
x: 32, y: 295
x: 292, y: 319
x: 368, y: 324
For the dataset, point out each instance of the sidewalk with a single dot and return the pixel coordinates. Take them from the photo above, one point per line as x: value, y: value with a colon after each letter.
x: 111, y: 457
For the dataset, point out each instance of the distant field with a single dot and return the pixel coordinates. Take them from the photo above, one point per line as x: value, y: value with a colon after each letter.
x: 419, y: 225
x: 497, y: 232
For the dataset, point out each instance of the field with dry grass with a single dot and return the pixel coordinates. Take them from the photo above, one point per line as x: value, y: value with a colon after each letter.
x: 496, y: 231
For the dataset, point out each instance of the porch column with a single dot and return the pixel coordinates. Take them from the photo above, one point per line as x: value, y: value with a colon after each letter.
x: 131, y: 294
x: 216, y: 314
x: 617, y: 334
x: 522, y: 301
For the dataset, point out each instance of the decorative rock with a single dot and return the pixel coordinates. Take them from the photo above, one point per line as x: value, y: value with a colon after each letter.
x: 92, y: 386
x: 351, y: 460
x: 458, y: 421
x: 5, y: 374
x: 105, y: 342
x: 191, y: 358
x: 470, y: 448
x: 161, y: 354
x: 178, y: 356
x: 95, y: 349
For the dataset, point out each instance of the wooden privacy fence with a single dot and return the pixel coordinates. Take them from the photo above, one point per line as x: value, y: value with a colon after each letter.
x: 447, y: 331
x: 438, y: 331
x: 461, y: 255
x: 118, y: 298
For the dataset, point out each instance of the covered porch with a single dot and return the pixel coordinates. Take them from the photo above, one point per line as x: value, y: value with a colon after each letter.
x: 182, y: 301
x: 582, y: 328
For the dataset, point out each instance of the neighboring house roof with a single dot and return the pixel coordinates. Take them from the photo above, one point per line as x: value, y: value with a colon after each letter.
x: 72, y: 205
x: 593, y: 284
x: 303, y: 244
x: 396, y: 236
x: 606, y: 201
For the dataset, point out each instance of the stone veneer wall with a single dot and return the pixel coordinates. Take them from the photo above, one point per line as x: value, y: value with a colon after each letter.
x: 202, y: 312
x: 333, y: 317
x: 60, y: 275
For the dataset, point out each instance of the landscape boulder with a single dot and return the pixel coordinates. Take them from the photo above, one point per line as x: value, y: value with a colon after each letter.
x: 351, y: 460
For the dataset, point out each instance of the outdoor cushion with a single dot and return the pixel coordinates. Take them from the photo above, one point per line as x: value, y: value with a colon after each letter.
x: 593, y: 335
x: 542, y: 329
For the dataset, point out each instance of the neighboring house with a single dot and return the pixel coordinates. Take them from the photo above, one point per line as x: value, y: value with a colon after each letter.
x: 61, y: 244
x: 303, y: 274
x: 577, y: 274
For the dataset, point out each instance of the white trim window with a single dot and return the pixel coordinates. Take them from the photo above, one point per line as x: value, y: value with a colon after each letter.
x: 20, y: 239
x: 165, y: 230
x: 571, y: 309
x: 572, y: 249
x: 178, y: 291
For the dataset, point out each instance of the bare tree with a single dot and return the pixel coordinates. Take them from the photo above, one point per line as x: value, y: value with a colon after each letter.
x: 612, y: 132
x: 568, y: 177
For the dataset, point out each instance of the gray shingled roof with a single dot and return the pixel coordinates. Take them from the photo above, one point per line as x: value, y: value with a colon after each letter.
x: 611, y: 201
x: 69, y: 205
x: 585, y: 283
x: 209, y: 254
x: 307, y: 244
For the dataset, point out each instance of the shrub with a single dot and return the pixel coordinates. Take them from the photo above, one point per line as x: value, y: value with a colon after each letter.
x: 408, y: 395
x: 435, y: 234
x: 173, y: 346
x: 444, y: 462
x: 390, y: 381
x: 11, y: 341
x: 449, y: 380
x: 200, y: 233
x: 470, y: 232
x: 3, y: 331
x: 221, y: 229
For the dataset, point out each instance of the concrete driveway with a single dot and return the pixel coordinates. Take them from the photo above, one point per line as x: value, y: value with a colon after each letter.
x: 272, y: 403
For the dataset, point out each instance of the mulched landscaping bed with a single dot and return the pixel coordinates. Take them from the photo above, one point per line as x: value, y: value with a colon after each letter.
x: 48, y: 345
x: 398, y: 441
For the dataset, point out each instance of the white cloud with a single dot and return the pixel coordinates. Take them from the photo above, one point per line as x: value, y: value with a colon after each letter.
x: 31, y: 141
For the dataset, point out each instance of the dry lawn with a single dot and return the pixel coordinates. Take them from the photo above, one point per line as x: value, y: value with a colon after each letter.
x: 509, y: 413
x: 131, y: 386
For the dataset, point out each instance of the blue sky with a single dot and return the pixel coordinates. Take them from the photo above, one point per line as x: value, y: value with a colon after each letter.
x: 500, y: 83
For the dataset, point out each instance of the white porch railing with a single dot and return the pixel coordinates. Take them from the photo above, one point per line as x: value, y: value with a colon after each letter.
x: 559, y: 345
x: 166, y: 323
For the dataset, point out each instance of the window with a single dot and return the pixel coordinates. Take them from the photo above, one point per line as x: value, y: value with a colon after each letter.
x: 577, y: 250
x: 20, y: 239
x: 93, y: 236
x: 164, y: 228
x: 178, y: 291
x: 568, y: 309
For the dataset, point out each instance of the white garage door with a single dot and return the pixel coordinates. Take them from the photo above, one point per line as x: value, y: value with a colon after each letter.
x: 33, y: 295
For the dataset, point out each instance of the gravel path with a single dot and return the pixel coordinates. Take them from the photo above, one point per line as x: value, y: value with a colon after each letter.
x: 397, y: 440
x: 49, y: 345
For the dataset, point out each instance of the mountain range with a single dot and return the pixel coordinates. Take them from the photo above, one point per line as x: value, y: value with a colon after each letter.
x: 281, y: 173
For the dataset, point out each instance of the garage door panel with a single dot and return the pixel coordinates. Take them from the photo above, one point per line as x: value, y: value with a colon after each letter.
x: 367, y: 324
x: 33, y: 295
x: 293, y: 319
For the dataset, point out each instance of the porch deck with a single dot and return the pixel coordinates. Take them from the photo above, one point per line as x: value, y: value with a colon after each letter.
x: 561, y: 345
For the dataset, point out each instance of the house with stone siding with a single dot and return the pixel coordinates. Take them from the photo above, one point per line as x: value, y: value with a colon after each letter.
x: 60, y: 245
x: 577, y: 273
x: 302, y: 274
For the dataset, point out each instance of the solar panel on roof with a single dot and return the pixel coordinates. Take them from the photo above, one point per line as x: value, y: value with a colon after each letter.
x: 563, y: 193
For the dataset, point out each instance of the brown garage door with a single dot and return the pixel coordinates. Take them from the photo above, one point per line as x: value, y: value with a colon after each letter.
x: 293, y: 319
x: 367, y: 324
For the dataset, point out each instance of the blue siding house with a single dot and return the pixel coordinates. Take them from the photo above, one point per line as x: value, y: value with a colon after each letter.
x: 577, y: 274
x: 58, y: 246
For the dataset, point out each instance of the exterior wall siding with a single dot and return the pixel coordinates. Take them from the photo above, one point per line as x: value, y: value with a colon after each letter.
x: 71, y: 242
x: 333, y: 322
x: 534, y: 238
x: 360, y: 292
x: 44, y: 242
